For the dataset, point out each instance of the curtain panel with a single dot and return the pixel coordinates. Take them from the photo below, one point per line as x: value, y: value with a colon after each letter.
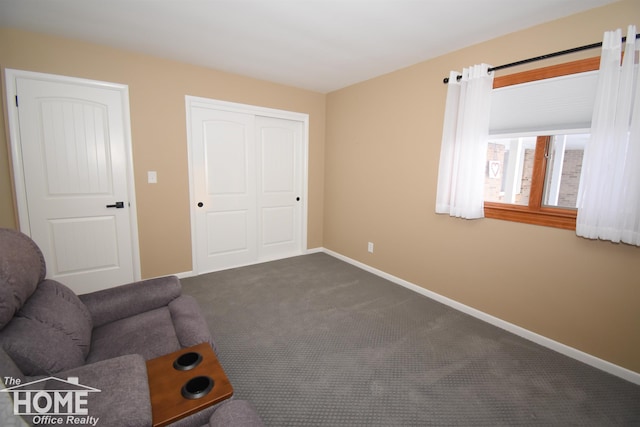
x: 463, y: 152
x: 609, y: 193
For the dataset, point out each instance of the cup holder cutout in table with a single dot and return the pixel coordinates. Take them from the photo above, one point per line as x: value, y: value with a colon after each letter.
x: 187, y: 361
x: 197, y: 387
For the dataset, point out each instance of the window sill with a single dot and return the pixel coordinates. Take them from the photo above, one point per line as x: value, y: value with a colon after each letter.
x: 548, y: 217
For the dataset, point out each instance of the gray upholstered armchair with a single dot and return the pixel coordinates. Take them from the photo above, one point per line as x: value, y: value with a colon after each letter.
x: 102, y: 339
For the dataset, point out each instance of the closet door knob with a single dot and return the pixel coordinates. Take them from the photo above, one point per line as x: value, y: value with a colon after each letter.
x: 200, y: 204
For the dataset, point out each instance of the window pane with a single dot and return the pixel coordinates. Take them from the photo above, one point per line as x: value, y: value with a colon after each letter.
x: 564, y: 164
x: 509, y: 170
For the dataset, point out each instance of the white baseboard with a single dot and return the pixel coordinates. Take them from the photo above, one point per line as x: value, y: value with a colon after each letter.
x: 185, y: 274
x: 315, y: 250
x: 596, y: 362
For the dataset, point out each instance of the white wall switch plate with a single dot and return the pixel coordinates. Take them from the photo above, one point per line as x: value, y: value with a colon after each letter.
x: 152, y: 177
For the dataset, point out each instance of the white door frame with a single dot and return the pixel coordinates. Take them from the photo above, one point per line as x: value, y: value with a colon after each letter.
x: 214, y: 104
x: 11, y: 76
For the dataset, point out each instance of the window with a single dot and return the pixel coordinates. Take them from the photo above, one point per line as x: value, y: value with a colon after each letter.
x: 511, y: 162
x: 564, y: 164
x: 534, y: 179
x: 532, y: 176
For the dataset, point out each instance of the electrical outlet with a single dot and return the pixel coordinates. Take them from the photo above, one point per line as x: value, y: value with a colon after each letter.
x: 152, y: 177
x: 370, y: 247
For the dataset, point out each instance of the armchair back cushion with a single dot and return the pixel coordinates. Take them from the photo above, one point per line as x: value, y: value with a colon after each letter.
x: 22, y: 267
x: 50, y: 333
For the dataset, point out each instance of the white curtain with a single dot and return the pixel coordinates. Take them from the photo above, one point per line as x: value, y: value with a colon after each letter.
x: 463, y: 154
x: 609, y: 195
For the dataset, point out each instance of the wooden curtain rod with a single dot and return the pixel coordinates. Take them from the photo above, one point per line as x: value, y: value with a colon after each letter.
x: 547, y: 56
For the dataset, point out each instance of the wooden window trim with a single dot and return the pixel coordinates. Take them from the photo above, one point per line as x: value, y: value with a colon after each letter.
x: 549, y: 217
x: 574, y: 67
x: 535, y: 213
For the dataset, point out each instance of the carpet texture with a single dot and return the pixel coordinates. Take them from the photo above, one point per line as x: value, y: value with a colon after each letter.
x: 315, y: 341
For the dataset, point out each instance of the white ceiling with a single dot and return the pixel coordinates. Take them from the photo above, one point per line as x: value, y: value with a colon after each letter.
x: 320, y: 45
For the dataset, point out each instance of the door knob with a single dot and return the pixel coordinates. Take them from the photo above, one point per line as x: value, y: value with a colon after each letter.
x: 117, y: 205
x: 200, y: 204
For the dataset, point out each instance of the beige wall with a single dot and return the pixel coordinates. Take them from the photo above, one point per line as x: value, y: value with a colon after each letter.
x: 382, y: 152
x: 157, y: 90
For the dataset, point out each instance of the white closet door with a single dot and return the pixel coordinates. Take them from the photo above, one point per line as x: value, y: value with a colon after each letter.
x: 224, y: 179
x: 247, y: 182
x: 279, y: 168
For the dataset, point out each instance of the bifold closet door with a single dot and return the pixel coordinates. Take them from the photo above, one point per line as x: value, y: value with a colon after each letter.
x: 247, y: 178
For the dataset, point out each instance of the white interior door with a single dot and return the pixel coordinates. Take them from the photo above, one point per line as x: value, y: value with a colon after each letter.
x: 248, y: 178
x: 279, y: 168
x: 70, y: 143
x: 224, y: 179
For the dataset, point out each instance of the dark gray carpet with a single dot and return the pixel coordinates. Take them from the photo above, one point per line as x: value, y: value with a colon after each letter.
x: 314, y: 341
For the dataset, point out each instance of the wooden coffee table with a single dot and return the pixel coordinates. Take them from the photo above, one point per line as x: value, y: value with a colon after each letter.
x: 166, y: 383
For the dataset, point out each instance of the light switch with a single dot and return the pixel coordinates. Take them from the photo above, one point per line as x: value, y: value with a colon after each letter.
x: 152, y: 177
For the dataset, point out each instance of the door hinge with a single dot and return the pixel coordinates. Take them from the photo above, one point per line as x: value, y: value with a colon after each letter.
x: 16, y: 100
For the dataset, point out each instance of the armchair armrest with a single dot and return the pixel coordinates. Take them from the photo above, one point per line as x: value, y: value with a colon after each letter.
x: 123, y: 301
x: 123, y: 398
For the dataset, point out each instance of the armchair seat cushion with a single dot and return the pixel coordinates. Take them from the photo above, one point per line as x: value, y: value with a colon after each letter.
x: 120, y: 302
x: 50, y: 333
x: 150, y: 334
